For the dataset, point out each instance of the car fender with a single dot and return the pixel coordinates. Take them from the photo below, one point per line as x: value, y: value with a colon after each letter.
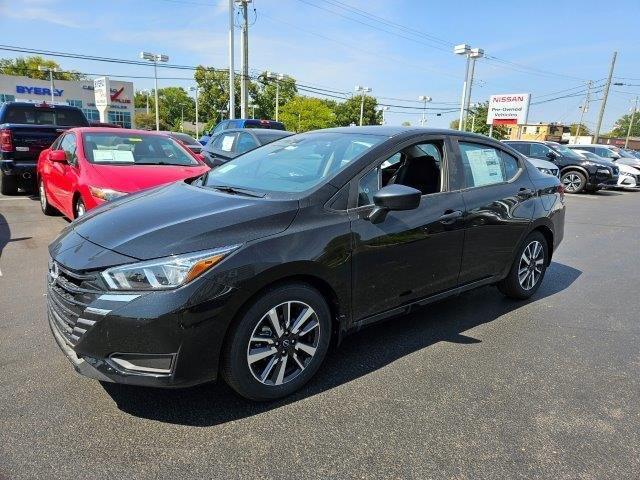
x: 575, y: 168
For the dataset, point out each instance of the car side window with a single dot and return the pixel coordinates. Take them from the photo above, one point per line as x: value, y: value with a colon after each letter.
x: 56, y: 144
x: 68, y: 146
x: 224, y: 142
x: 245, y: 143
x: 417, y: 166
x: 221, y: 126
x: 486, y: 165
x: 603, y: 152
x: 538, y: 150
x: 523, y: 148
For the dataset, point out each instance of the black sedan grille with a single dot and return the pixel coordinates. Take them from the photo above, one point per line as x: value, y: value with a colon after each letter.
x: 68, y: 296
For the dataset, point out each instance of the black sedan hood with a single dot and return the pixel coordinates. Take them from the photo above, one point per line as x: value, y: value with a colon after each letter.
x: 180, y: 218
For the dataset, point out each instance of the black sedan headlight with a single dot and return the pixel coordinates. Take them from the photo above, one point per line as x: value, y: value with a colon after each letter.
x: 164, y: 273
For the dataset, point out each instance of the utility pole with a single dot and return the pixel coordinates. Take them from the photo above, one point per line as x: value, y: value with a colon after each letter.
x: 232, y: 80
x: 52, y: 87
x: 604, y: 98
x: 474, y: 54
x: 633, y: 114
x: 196, y: 90
x: 244, y: 46
x: 585, y: 109
x: 424, y: 99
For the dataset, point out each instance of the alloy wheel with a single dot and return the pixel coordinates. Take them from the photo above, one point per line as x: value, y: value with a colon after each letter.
x: 531, y: 264
x: 283, y: 343
x: 572, y: 182
x: 80, y: 209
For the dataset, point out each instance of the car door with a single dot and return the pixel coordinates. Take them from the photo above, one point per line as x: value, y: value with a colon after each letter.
x: 57, y: 171
x: 500, y: 200
x: 68, y: 177
x: 411, y: 254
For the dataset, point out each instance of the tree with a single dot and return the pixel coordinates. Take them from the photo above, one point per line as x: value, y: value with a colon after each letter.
x: 28, y: 67
x: 265, y: 95
x: 214, y: 93
x: 477, y: 117
x: 584, y: 130
x: 302, y: 114
x: 172, y: 101
x: 348, y: 112
x: 148, y: 122
x: 406, y: 124
x: 621, y: 127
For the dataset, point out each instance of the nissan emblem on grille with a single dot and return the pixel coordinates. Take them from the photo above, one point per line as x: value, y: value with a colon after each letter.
x: 54, y: 272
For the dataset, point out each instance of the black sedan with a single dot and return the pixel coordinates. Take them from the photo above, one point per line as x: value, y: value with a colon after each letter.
x: 250, y: 271
x: 228, y: 144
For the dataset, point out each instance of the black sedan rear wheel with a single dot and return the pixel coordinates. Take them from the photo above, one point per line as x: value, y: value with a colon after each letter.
x: 528, y: 268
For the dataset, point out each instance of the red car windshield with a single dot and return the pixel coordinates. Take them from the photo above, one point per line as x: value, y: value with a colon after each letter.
x: 122, y: 148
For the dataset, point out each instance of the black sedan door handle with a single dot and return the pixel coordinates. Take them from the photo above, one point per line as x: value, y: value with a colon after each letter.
x: 450, y: 216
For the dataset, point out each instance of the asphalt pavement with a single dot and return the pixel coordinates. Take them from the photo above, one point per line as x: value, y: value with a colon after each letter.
x: 473, y: 387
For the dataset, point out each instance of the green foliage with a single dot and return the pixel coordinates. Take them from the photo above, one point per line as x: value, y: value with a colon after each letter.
x: 584, y: 130
x: 172, y: 101
x: 148, y: 122
x: 621, y: 127
x: 301, y: 114
x: 265, y: 95
x: 406, y: 124
x: 28, y: 67
x: 348, y: 112
x: 480, y: 112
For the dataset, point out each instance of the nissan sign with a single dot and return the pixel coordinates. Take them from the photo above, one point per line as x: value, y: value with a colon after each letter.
x: 508, y: 109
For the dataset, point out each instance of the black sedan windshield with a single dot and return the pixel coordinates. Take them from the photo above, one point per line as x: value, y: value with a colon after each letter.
x: 293, y: 164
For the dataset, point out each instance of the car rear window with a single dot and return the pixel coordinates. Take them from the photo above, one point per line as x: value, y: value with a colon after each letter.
x: 33, y: 115
x: 264, y: 124
x: 134, y: 149
x: 265, y: 138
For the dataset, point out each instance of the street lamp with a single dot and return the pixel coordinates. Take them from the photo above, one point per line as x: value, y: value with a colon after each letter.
x: 253, y: 110
x: 383, y: 109
x: 471, y: 54
x: 42, y: 68
x: 196, y: 90
x: 364, y: 91
x: 424, y: 99
x: 277, y: 77
x: 155, y: 58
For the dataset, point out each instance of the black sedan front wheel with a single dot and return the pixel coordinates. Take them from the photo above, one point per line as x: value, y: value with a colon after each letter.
x: 278, y: 344
x: 574, y: 182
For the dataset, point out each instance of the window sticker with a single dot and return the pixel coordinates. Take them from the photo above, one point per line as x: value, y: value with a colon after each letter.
x: 118, y: 156
x: 227, y: 143
x: 138, y: 139
x: 485, y: 166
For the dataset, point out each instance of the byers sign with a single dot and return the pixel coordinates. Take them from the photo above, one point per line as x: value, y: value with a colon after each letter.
x: 508, y: 109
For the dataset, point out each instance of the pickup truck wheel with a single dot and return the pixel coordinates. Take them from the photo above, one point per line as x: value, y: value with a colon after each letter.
x: 47, y: 209
x: 9, y: 184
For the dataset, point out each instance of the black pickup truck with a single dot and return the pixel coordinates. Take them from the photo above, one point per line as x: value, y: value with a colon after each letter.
x: 25, y: 130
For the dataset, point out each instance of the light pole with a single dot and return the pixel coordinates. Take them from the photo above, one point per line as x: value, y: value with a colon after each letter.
x: 42, y: 68
x: 277, y: 77
x: 364, y: 91
x: 146, y: 93
x: 471, y: 54
x: 424, y: 99
x: 474, y: 55
x: 196, y: 90
x: 633, y: 114
x: 155, y: 58
x: 384, y: 120
x: 253, y: 110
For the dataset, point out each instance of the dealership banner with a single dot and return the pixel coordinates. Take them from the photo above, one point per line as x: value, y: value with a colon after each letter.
x: 508, y: 109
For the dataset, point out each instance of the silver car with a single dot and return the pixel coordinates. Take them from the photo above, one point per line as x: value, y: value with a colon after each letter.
x: 545, y: 167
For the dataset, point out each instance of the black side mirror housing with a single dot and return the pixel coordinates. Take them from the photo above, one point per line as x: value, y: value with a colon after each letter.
x: 393, y: 197
x: 552, y: 156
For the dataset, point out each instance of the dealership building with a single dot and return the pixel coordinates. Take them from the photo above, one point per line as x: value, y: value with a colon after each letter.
x: 77, y: 94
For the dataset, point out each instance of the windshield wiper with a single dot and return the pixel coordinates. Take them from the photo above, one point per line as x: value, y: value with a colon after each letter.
x: 236, y: 190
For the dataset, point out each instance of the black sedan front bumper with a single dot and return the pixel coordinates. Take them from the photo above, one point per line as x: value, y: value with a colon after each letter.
x: 159, y: 339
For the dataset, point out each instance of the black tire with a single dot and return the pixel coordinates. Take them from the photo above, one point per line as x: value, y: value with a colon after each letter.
x: 8, y: 184
x: 573, y: 181
x: 512, y: 285
x: 46, y: 208
x: 79, y: 208
x: 243, y: 377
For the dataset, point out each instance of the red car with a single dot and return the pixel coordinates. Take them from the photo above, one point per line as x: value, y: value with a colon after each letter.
x: 88, y: 166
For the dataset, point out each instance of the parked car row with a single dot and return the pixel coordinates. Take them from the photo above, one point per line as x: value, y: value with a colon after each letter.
x: 585, y: 168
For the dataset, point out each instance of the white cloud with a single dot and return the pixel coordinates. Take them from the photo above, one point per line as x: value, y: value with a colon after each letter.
x: 39, y: 11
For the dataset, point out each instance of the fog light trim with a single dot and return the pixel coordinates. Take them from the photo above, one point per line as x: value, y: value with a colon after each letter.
x: 140, y: 363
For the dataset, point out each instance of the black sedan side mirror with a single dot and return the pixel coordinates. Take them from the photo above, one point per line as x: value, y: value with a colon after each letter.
x: 552, y: 156
x: 393, y: 197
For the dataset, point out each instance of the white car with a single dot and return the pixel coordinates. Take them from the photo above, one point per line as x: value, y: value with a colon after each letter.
x: 628, y: 177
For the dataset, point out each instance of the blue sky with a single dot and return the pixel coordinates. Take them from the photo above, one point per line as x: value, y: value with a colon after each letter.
x: 557, y: 46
